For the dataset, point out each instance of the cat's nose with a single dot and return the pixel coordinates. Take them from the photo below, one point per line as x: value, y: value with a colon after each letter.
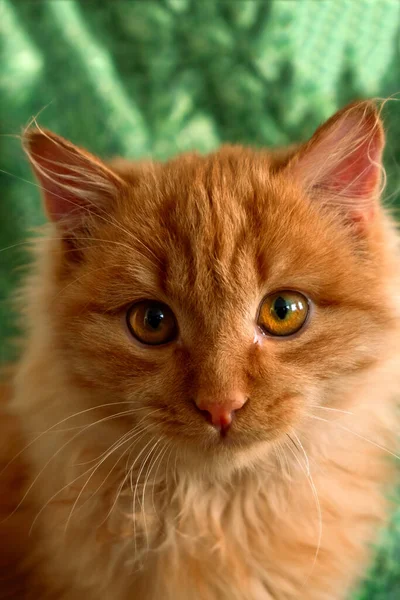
x: 220, y: 413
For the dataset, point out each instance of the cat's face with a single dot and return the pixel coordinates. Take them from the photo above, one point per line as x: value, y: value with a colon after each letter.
x: 215, y: 294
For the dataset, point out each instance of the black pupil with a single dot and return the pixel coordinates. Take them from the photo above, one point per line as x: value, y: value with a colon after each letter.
x: 154, y: 317
x: 281, y: 308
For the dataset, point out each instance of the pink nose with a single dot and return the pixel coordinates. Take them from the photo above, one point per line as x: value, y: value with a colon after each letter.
x: 220, y: 414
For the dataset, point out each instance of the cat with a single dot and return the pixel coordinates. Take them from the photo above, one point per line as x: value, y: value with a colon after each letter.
x: 206, y: 403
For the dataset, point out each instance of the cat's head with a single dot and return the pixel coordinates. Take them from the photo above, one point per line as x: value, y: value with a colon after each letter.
x: 226, y: 295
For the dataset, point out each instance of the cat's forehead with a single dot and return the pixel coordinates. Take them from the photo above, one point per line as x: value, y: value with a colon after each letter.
x: 210, y: 245
x: 221, y: 202
x: 230, y: 182
x: 217, y: 201
x: 208, y: 217
x: 224, y: 226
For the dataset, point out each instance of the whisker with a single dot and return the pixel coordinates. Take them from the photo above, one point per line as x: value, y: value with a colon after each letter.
x: 114, y: 447
x: 120, y: 487
x: 47, y: 464
x: 281, y: 457
x: 307, y: 462
x: 338, y: 410
x: 134, y: 495
x: 65, y: 487
x: 131, y: 431
x: 41, y: 434
x: 175, y: 471
x: 150, y: 465
x: 129, y: 438
x: 361, y: 437
x: 310, y: 480
x: 166, y: 446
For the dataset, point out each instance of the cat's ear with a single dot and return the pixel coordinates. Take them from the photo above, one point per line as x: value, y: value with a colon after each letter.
x: 74, y: 184
x: 342, y: 163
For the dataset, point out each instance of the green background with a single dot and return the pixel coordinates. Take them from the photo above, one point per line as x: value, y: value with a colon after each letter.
x: 143, y: 77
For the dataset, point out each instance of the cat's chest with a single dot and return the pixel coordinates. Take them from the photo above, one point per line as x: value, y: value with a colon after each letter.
x: 214, y: 539
x: 242, y: 542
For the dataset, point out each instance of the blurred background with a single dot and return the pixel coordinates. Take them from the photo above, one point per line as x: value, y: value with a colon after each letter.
x: 156, y: 77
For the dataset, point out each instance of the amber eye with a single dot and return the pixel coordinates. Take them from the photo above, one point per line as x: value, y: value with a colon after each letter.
x: 283, y: 313
x: 152, y: 322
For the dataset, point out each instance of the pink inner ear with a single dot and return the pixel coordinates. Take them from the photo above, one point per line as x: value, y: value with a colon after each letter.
x: 59, y: 191
x: 73, y: 182
x: 343, y: 160
x: 358, y: 174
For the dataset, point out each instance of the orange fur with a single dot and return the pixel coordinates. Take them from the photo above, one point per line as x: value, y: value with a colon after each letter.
x: 285, y: 506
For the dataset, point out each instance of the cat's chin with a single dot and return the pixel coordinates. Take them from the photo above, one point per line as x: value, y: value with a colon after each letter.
x: 224, y: 457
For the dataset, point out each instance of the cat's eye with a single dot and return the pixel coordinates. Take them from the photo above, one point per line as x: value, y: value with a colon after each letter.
x: 283, y: 313
x: 152, y: 323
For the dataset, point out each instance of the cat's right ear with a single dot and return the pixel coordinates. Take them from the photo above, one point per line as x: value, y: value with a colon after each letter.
x: 341, y: 165
x: 75, y: 184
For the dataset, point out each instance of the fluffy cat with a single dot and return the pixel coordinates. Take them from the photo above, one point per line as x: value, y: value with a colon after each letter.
x: 205, y: 406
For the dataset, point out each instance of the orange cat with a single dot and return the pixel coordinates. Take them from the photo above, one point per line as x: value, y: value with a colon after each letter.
x: 209, y: 382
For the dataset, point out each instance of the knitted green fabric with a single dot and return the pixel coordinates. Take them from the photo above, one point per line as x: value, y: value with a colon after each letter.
x: 145, y: 77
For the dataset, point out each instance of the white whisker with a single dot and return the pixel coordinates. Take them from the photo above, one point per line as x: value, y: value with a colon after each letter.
x: 310, y: 480
x: 47, y: 464
x: 146, y: 479
x: 361, y: 437
x: 338, y: 410
x: 166, y: 446
x: 67, y: 485
x: 128, y: 439
x: 134, y: 493
x: 52, y: 428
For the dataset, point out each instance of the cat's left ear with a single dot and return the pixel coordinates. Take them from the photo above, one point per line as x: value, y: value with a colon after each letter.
x: 75, y: 184
x: 341, y: 165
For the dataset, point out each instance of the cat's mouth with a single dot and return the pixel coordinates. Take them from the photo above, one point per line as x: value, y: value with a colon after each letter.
x: 231, y: 438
